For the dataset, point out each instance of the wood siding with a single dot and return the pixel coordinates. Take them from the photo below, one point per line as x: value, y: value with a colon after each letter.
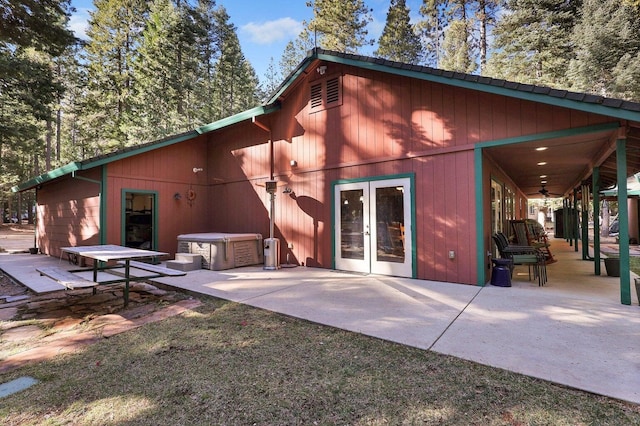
x: 165, y: 172
x: 68, y: 213
x: 384, y: 125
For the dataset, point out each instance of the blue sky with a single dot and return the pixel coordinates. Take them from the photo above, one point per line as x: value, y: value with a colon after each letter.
x: 265, y: 26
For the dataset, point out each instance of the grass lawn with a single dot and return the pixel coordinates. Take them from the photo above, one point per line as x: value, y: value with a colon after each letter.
x: 226, y: 363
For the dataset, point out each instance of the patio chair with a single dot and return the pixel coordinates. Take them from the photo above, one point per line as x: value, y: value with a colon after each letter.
x: 522, y: 255
x: 526, y: 235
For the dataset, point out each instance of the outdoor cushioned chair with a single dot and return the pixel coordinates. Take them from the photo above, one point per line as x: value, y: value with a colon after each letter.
x: 526, y: 235
x: 522, y: 255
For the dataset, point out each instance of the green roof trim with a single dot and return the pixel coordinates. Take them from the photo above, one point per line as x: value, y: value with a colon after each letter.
x: 578, y: 101
x: 241, y: 116
x: 554, y: 134
x: 140, y: 149
x: 61, y: 171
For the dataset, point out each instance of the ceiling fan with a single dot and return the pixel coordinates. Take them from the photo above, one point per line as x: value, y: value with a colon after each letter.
x: 545, y: 192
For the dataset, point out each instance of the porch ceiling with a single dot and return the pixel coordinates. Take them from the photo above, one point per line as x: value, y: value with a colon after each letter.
x: 569, y: 161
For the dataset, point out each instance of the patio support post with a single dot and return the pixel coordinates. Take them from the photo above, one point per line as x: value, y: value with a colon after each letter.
x: 584, y: 222
x: 480, y: 241
x: 596, y: 220
x: 623, y: 221
x: 566, y: 232
x: 574, y: 227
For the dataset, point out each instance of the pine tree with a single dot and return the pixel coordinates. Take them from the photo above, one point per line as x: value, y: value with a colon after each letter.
x: 165, y: 72
x: 296, y: 51
x: 271, y: 81
x: 115, y: 30
x: 456, y: 48
x: 340, y: 25
x: 236, y: 82
x: 432, y: 27
x: 399, y: 42
x: 532, y: 42
x: 486, y: 15
x: 607, y: 49
x: 207, y: 45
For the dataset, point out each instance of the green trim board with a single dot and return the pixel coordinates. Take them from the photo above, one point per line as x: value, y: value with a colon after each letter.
x: 140, y: 149
x: 623, y: 221
x: 576, y: 131
x: 479, y: 198
x: 61, y: 171
x: 478, y: 83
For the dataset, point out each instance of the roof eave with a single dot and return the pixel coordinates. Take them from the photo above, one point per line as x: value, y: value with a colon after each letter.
x: 45, y: 177
x: 474, y: 84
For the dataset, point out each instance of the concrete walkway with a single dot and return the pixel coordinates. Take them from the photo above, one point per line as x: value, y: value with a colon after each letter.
x: 573, y: 331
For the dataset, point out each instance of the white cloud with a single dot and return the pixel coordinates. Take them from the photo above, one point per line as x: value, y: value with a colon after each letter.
x: 79, y: 22
x: 272, y: 31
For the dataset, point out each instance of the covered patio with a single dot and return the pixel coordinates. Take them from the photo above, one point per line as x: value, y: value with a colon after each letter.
x: 576, y: 165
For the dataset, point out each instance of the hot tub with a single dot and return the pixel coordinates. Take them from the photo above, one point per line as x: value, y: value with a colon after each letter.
x: 223, y: 251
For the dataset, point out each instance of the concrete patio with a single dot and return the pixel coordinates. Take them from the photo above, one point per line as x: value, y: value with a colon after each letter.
x: 573, y: 331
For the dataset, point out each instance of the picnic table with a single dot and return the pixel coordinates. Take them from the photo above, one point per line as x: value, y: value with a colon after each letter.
x: 102, y: 255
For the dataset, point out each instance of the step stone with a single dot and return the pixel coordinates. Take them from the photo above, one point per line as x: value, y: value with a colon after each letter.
x: 189, y: 257
x: 181, y: 265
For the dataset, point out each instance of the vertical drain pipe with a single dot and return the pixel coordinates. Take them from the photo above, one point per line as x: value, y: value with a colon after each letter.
x: 272, y: 195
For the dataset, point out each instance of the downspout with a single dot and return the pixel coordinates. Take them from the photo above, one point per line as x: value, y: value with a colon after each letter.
x: 271, y: 153
x: 272, y: 196
x: 103, y: 206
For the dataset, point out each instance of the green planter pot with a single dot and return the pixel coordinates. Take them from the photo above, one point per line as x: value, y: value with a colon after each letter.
x: 612, y: 265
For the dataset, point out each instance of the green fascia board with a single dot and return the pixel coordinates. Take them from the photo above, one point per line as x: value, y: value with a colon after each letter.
x: 487, y: 88
x: 292, y: 77
x: 555, y: 134
x: 108, y: 158
x: 102, y: 160
x: 241, y: 116
x: 53, y: 174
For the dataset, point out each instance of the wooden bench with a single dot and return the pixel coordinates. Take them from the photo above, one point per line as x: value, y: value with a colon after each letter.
x: 160, y: 270
x: 69, y: 280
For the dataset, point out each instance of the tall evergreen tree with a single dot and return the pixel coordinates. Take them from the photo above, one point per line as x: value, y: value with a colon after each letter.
x: 486, y: 15
x: 115, y: 30
x: 533, y: 41
x: 432, y: 28
x: 207, y: 44
x: 31, y: 35
x: 271, y: 81
x: 165, y: 71
x: 399, y: 42
x: 457, y: 52
x: 340, y: 25
x: 296, y: 51
x: 236, y: 81
x: 607, y: 49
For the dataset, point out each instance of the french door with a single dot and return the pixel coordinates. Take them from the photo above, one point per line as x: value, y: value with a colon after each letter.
x: 373, y: 227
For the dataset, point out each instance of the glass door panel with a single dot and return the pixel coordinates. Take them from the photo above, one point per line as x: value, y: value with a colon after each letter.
x: 352, y: 239
x: 374, y: 222
x: 392, y: 216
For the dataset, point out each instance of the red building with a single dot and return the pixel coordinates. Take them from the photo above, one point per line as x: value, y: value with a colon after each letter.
x: 381, y: 167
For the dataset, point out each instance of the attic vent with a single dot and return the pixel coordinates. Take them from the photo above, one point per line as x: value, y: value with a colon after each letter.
x: 326, y: 93
x: 333, y: 90
x: 316, y: 95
